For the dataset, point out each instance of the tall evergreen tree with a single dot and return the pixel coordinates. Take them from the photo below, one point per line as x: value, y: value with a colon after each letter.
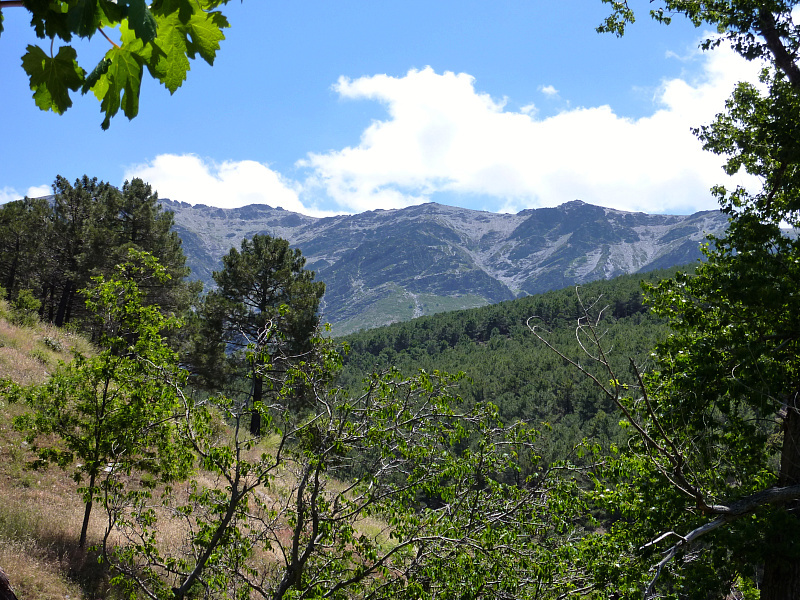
x: 25, y: 226
x: 78, y: 247
x: 263, y: 286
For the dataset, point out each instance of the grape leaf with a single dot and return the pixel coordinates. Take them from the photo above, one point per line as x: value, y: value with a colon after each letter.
x: 100, y: 70
x: 184, y: 31
x: 206, y: 34
x: 52, y: 78
x: 119, y: 86
x: 49, y: 21
x: 141, y: 20
x: 163, y: 35
x: 169, y: 64
x: 83, y: 18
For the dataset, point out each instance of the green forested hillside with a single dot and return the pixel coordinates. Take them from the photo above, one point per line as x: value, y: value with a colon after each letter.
x: 505, y: 364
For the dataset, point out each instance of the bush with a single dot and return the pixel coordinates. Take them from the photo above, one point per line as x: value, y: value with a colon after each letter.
x: 53, y: 344
x: 26, y: 309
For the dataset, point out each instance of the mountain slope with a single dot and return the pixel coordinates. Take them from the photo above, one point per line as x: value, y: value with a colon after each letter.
x: 392, y: 265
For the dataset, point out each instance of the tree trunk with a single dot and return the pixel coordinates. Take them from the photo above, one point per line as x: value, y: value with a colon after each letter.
x: 258, y: 395
x: 87, y: 512
x: 62, y: 305
x: 782, y: 566
x: 12, y: 271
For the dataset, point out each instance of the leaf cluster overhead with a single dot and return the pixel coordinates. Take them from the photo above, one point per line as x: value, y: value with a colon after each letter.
x: 160, y: 38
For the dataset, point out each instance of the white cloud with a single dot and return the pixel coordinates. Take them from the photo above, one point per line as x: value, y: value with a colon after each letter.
x: 37, y: 191
x: 7, y: 194
x: 442, y: 135
x: 230, y: 184
x: 548, y: 90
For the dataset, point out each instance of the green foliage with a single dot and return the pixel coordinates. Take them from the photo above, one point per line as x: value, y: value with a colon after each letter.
x: 26, y: 309
x: 711, y: 478
x: 753, y: 28
x: 255, y: 283
x: 55, y: 248
x: 264, y: 286
x: 392, y: 492
x: 112, y: 411
x: 507, y: 366
x: 161, y: 37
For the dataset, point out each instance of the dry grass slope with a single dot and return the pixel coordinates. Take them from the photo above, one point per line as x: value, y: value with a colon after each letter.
x: 40, y: 513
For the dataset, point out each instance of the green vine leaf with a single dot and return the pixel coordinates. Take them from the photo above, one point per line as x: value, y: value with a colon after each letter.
x: 52, y: 78
x: 141, y: 20
x: 164, y: 36
x: 119, y: 85
x: 83, y: 18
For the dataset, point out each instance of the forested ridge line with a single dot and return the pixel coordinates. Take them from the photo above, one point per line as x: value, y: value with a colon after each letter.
x: 506, y: 365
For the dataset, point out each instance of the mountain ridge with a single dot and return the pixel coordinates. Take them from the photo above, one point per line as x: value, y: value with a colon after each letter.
x: 384, y: 266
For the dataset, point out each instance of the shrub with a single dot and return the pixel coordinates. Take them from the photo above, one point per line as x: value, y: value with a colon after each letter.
x: 26, y: 309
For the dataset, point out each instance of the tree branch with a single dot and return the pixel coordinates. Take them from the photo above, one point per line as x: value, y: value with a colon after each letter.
x: 785, y: 61
x: 737, y: 510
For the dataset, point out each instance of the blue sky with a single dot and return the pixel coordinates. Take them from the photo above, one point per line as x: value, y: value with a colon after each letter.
x: 325, y: 107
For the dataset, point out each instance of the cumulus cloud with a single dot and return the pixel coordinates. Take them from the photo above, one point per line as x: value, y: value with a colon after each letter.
x: 37, y: 191
x: 7, y: 194
x: 229, y: 184
x: 444, y: 135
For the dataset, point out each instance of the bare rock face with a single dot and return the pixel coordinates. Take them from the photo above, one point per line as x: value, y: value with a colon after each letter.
x: 392, y: 265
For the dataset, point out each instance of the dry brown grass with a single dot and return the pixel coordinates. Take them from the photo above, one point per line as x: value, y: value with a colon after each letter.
x: 40, y: 521
x: 28, y: 354
x: 40, y: 511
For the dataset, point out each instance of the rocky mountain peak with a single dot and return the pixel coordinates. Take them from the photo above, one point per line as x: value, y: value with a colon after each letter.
x: 383, y: 266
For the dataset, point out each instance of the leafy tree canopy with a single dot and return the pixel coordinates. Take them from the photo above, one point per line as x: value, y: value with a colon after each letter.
x: 54, y: 247
x: 753, y: 28
x: 160, y: 37
x: 713, y: 476
x: 112, y: 410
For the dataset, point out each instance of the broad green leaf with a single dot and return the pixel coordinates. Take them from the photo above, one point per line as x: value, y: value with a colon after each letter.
x: 97, y: 72
x: 169, y: 63
x: 184, y: 30
x: 119, y: 86
x: 50, y: 19
x: 205, y: 30
x: 111, y: 13
x: 84, y: 18
x: 52, y: 78
x: 141, y: 20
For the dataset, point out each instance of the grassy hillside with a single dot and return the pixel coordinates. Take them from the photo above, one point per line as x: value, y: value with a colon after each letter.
x: 40, y: 513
